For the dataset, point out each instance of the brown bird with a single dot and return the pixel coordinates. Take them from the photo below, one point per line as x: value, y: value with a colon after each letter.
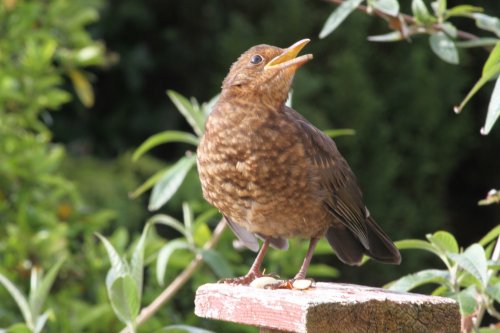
x: 273, y: 175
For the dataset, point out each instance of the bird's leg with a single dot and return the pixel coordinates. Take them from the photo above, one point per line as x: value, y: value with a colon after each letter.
x: 254, y: 271
x: 307, y: 260
x: 301, y: 275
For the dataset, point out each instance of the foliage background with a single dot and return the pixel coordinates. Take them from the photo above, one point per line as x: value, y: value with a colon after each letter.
x: 421, y: 167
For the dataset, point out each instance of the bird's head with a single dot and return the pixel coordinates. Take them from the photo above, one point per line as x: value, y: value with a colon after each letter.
x: 266, y: 71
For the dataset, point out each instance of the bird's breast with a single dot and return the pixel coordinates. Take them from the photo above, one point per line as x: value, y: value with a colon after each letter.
x: 253, y: 168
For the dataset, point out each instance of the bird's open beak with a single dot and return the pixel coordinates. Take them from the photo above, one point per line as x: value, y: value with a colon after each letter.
x: 289, y: 57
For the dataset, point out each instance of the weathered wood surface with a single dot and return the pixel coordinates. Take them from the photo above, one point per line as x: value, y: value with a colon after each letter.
x: 328, y: 308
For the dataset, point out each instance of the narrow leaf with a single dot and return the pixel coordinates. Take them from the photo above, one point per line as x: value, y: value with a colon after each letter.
x: 137, y: 260
x: 417, y: 244
x: 494, y: 292
x: 195, y: 118
x: 480, y: 42
x: 82, y: 87
x: 473, y: 260
x: 118, y: 265
x: 168, y: 221
x: 40, y: 322
x: 487, y: 22
x: 393, y: 36
x: 491, y: 235
x: 164, y: 137
x: 334, y: 133
x: 390, y: 7
x: 149, y: 183
x: 412, y: 281
x: 164, y: 256
x: 493, y: 109
x: 481, y: 82
x: 444, y: 241
x: 338, y: 16
x: 38, y: 297
x: 170, y: 182
x: 217, y: 263
x: 208, y: 106
x: 421, y: 12
x: 20, y: 299
x: 17, y: 328
x: 444, y: 48
x: 463, y: 10
x: 188, y: 222
x: 493, y: 60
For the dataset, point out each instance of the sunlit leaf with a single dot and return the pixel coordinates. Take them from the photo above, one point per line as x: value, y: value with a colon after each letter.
x: 491, y: 235
x: 444, y: 241
x: 334, y: 133
x: 420, y: 12
x: 162, y: 138
x: 444, y: 47
x: 412, y: 281
x: 208, y: 106
x: 479, y: 42
x: 493, y: 109
x: 473, y: 260
x: 187, y: 214
x: 168, y: 221
x: 82, y: 87
x: 481, y: 82
x: 194, y: 117
x: 417, y: 244
x: 463, y: 10
x: 487, y: 22
x: 149, y: 183
x: 338, y: 16
x: 491, y: 64
x: 118, y: 266
x: 217, y: 263
x: 40, y: 322
x: 17, y: 328
x: 164, y: 257
x: 390, y: 7
x: 19, y: 298
x: 494, y: 292
x: 170, y: 182
x: 393, y: 36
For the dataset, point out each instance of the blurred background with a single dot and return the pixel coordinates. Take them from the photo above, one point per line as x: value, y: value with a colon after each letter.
x: 421, y: 167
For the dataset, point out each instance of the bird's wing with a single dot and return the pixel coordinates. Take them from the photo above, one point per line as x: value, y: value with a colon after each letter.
x: 344, y: 199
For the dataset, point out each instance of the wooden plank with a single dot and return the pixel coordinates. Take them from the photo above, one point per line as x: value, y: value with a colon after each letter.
x: 328, y: 308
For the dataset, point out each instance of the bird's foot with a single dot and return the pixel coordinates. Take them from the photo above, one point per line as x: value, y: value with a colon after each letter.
x: 291, y: 284
x: 247, y: 279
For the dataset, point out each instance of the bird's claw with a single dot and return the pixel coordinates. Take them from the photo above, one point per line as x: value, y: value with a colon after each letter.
x: 247, y: 279
x: 291, y: 284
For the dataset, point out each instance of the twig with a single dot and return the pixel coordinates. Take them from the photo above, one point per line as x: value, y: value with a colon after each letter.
x: 180, y: 280
x: 407, y: 19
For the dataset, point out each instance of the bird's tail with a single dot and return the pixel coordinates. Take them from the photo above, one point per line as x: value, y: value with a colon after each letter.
x: 350, y: 250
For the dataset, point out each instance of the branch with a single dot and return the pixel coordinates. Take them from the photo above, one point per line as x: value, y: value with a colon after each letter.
x: 406, y: 19
x: 180, y: 280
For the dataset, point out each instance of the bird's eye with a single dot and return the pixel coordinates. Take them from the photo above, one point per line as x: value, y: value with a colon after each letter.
x: 256, y: 59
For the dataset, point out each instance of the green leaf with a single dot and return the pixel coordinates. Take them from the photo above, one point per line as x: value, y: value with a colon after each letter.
x: 481, y: 82
x: 463, y: 10
x: 322, y: 271
x: 444, y: 47
x: 480, y: 42
x: 194, y: 117
x: 393, y: 36
x: 164, y: 256
x: 445, y: 241
x: 168, y: 221
x: 334, y: 133
x: 415, y: 280
x: 20, y: 299
x: 491, y: 235
x: 170, y: 182
x: 118, y: 266
x: 18, y: 328
x: 137, y: 260
x: 184, y: 328
x: 164, y: 137
x: 493, y: 109
x: 491, y: 64
x: 467, y: 300
x: 40, y: 322
x: 38, y: 296
x: 441, y: 7
x: 217, y: 263
x: 494, y: 292
x: 421, y: 13
x: 187, y: 213
x: 148, y: 183
x: 473, y: 260
x: 208, y: 106
x: 487, y: 22
x: 123, y: 295
x: 489, y: 330
x: 418, y: 245
x: 390, y: 7
x: 82, y: 87
x: 338, y: 16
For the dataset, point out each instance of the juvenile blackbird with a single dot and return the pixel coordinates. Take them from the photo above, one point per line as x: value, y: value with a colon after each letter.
x: 273, y: 175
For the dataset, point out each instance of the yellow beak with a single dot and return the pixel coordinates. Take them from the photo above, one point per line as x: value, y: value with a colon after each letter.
x: 289, y: 57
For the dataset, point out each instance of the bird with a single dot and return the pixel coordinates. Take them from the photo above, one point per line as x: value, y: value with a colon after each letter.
x: 273, y: 175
